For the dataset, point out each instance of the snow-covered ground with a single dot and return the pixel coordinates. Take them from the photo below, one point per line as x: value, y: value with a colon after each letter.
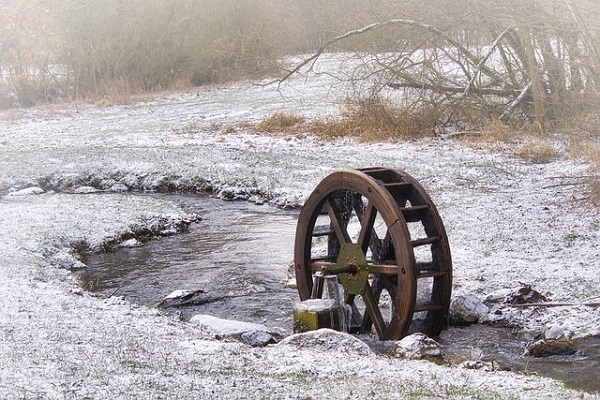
x: 509, y: 223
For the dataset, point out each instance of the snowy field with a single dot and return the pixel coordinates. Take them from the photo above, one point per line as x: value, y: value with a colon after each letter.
x: 65, y: 177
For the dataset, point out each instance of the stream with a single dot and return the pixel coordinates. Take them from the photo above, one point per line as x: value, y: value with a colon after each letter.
x: 238, y: 256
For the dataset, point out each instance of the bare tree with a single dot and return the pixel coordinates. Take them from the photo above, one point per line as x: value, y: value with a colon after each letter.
x: 536, y: 60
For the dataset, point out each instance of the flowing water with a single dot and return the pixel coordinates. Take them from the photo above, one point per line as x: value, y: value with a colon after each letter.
x: 238, y: 255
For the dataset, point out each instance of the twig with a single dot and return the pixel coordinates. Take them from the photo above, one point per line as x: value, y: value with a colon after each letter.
x: 590, y: 304
x: 324, y: 47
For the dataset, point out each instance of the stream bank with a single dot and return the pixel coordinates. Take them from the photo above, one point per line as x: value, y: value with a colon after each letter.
x: 236, y: 256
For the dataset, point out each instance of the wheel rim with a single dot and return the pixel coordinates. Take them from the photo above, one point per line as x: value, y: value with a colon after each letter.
x: 354, y: 224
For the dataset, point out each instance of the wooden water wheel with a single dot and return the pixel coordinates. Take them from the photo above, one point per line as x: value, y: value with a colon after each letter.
x: 379, y: 232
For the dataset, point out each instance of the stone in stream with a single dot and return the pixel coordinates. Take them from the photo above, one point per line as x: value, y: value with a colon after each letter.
x: 467, y: 309
x: 119, y: 188
x: 183, y: 298
x: 551, y: 347
x: 416, y: 347
x: 33, y: 190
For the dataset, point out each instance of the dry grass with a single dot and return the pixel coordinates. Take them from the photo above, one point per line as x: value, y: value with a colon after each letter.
x: 120, y: 92
x: 376, y: 120
x: 539, y: 152
x: 496, y: 132
x: 524, y: 141
x: 593, y: 187
x: 281, y: 122
x: 12, y: 115
x: 492, y: 131
x: 587, y: 150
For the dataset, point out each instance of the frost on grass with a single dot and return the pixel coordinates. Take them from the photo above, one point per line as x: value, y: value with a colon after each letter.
x: 509, y: 224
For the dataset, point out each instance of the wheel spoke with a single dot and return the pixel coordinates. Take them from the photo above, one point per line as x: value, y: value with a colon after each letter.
x: 381, y: 269
x: 366, y: 231
x: 372, y: 308
x: 368, y: 236
x: 337, y: 222
x: 367, y: 322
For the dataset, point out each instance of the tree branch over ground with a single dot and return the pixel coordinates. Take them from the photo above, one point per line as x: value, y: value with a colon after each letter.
x: 540, y: 68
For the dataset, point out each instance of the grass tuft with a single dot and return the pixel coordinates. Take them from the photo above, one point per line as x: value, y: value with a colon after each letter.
x: 587, y: 150
x: 496, y: 132
x: 376, y: 120
x: 538, y: 152
x: 593, y: 187
x: 12, y: 115
x: 280, y: 122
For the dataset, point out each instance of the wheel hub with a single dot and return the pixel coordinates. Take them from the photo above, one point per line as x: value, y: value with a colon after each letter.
x: 352, y: 268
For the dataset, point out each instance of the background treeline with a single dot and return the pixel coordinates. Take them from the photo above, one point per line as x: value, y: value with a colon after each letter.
x: 77, y: 49
x: 546, y: 53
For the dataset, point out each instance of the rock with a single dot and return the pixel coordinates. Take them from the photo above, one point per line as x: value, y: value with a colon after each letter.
x: 66, y: 259
x: 131, y: 243
x: 119, y: 188
x: 498, y: 297
x: 235, y: 193
x: 257, y: 338
x: 526, y: 294
x: 418, y: 346
x: 130, y: 180
x: 85, y: 190
x: 327, y: 340
x: 230, y: 329
x: 287, y: 202
x: 550, y: 347
x: 290, y: 281
x: 168, y: 232
x: 557, y: 332
x: 27, y: 191
x: 467, y: 309
x: 478, y: 364
x: 258, y: 200
x: 226, y: 194
x: 182, y: 298
x: 181, y: 293
x: 522, y: 295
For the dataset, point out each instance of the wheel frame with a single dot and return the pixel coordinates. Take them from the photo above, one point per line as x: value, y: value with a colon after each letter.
x: 379, y: 198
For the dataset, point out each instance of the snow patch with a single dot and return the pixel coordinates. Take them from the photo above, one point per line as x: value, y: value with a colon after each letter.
x: 326, y: 340
x: 26, y: 192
